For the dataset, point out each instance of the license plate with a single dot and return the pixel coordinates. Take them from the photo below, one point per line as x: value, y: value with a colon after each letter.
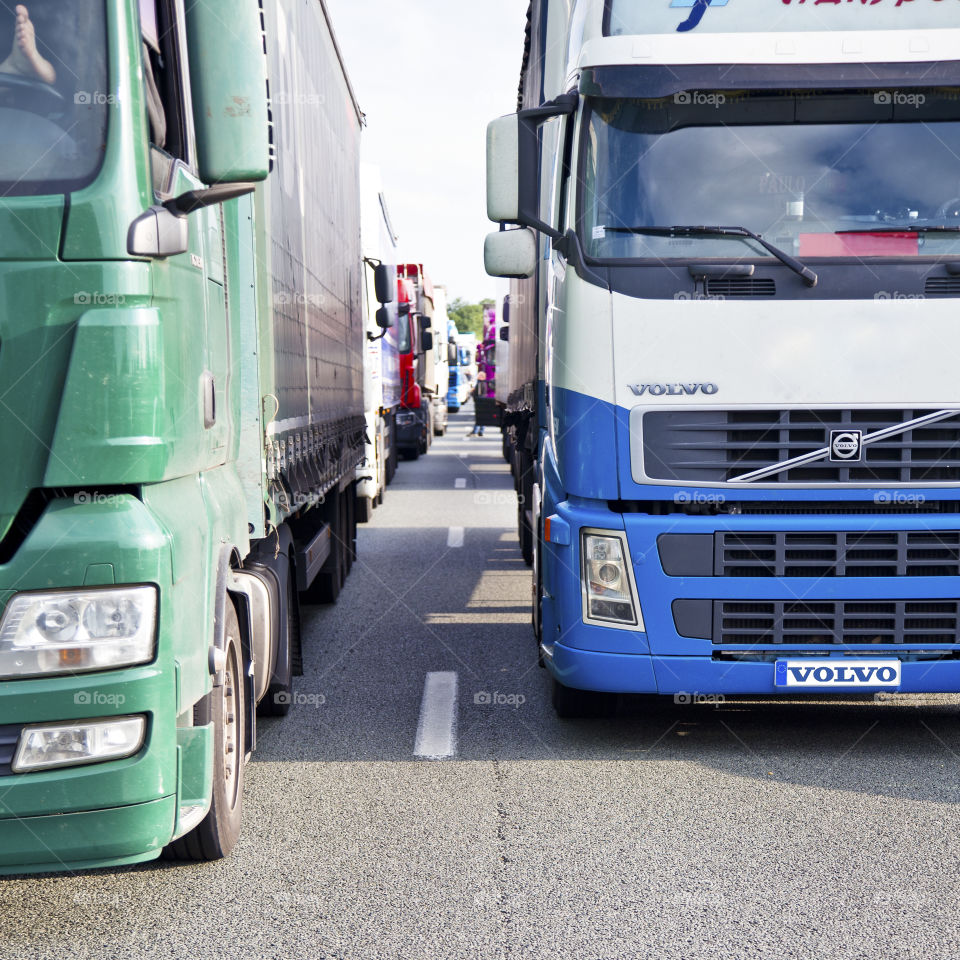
x: 824, y: 674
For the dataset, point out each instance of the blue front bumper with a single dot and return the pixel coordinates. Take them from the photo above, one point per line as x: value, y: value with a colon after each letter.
x: 662, y: 660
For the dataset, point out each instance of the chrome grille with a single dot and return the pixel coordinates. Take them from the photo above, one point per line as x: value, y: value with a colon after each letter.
x: 720, y: 446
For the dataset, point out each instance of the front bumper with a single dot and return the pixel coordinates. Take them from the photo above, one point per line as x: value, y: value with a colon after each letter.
x: 80, y: 841
x: 661, y: 659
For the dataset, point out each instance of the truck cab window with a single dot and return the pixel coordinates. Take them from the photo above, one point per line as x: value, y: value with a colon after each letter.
x: 163, y: 61
x: 54, y: 95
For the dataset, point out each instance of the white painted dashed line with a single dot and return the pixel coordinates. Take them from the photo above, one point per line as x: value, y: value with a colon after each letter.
x: 460, y: 483
x: 437, y: 729
x: 455, y: 537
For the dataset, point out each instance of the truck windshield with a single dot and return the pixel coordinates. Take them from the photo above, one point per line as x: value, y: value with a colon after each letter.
x: 54, y: 95
x: 818, y: 173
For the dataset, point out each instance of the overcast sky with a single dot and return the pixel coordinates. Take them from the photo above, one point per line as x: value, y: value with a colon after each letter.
x: 430, y: 75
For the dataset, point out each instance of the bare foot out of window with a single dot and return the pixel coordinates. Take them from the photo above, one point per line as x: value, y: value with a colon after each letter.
x: 24, y: 58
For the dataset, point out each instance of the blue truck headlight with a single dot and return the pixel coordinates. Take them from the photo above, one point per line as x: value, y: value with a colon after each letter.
x: 86, y: 741
x: 77, y: 631
x: 609, y: 596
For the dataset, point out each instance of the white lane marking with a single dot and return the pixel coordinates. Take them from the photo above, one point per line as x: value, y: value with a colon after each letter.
x: 437, y: 729
x: 460, y: 483
x: 455, y: 537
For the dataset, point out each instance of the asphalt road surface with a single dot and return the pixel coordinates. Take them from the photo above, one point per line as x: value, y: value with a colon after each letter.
x: 740, y: 830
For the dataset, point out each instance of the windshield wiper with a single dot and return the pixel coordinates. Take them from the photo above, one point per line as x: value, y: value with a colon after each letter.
x: 908, y: 228
x: 809, y: 277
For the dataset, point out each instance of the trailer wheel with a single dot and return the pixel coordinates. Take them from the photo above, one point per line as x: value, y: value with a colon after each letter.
x: 572, y: 704
x: 214, y: 837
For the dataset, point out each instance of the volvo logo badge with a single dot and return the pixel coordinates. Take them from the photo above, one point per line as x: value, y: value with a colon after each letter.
x: 846, y: 446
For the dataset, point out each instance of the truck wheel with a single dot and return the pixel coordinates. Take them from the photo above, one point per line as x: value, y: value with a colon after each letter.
x: 277, y: 701
x: 214, y: 837
x: 411, y: 454
x: 572, y: 704
x: 365, y: 507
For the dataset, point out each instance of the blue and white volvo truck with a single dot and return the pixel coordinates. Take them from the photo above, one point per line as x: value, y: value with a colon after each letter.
x: 734, y: 233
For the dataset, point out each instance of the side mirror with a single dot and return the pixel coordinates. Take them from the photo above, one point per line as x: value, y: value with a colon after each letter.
x: 505, y: 334
x: 385, y: 318
x: 158, y: 233
x: 427, y: 341
x: 404, y: 309
x: 385, y: 283
x: 425, y: 326
x: 452, y: 355
x: 511, y: 253
x: 163, y: 231
x: 503, y: 169
x: 513, y: 164
x: 228, y: 81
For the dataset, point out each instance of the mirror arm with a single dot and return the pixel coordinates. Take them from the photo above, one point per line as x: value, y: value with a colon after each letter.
x: 194, y: 200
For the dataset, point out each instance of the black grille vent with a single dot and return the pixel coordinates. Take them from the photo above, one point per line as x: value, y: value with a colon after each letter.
x: 890, y: 553
x: 741, y: 287
x: 942, y: 287
x: 718, y: 446
x: 824, y: 623
x: 8, y: 745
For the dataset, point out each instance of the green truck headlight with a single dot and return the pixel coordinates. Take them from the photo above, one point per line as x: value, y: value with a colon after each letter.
x: 77, y: 631
x: 609, y: 597
x: 67, y: 745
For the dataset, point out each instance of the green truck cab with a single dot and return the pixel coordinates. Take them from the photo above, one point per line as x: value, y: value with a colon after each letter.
x: 181, y: 409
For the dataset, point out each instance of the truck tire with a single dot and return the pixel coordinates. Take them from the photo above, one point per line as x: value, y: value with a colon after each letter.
x: 411, y: 453
x: 214, y: 837
x: 572, y: 704
x: 365, y: 507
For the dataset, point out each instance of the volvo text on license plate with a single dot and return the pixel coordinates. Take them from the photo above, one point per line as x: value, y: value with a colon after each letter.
x: 822, y: 674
